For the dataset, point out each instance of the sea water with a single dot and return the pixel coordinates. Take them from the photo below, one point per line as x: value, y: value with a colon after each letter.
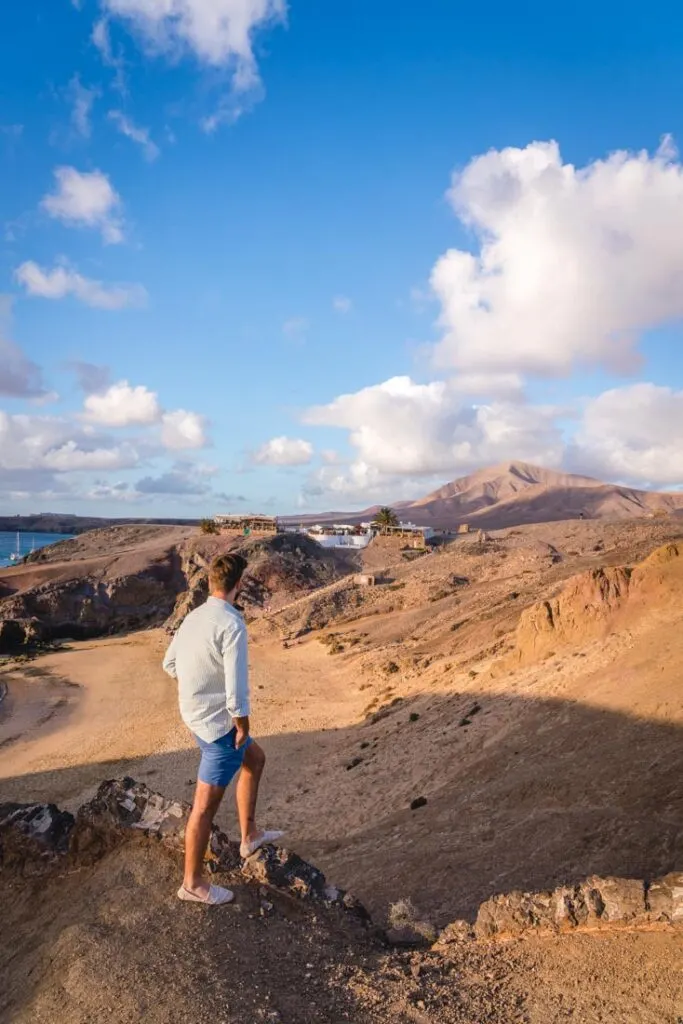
x: 8, y: 543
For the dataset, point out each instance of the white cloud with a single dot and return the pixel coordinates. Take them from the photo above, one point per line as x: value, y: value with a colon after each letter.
x: 136, y: 134
x: 101, y: 39
x: 82, y: 101
x: 86, y: 200
x: 181, y: 430
x: 284, y: 451
x: 342, y: 304
x: 123, y: 405
x: 217, y: 32
x: 573, y: 263
x: 400, y: 429
x: 55, y: 444
x: 62, y: 281
x: 633, y: 434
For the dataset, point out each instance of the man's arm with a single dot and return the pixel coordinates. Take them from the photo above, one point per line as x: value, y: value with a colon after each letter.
x: 169, y: 659
x: 236, y: 668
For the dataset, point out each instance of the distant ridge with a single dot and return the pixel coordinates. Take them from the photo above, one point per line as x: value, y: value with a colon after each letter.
x: 514, y: 493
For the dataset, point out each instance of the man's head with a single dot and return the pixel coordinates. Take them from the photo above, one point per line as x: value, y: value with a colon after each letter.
x: 225, y: 576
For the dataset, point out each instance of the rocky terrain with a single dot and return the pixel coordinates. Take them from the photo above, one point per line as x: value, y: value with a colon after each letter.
x: 484, y: 748
x: 89, y: 927
x: 131, y: 577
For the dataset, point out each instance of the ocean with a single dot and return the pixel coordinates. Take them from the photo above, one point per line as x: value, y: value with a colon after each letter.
x: 8, y: 543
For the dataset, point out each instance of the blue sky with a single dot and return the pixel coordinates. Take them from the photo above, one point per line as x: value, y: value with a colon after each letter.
x: 238, y: 271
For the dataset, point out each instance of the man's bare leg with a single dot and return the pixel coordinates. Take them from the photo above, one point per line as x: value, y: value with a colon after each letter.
x: 246, y: 792
x: 207, y: 799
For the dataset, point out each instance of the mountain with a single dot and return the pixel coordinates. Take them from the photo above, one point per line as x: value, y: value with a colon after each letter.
x: 515, y: 493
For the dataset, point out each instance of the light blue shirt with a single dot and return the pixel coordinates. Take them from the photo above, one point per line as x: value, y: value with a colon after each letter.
x: 208, y: 657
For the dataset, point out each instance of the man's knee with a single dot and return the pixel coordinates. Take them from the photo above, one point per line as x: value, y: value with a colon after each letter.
x: 255, y: 757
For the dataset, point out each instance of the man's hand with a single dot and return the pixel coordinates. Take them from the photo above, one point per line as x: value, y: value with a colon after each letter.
x: 241, y: 732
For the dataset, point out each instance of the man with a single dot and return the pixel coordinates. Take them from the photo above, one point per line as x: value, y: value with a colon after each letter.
x: 208, y: 657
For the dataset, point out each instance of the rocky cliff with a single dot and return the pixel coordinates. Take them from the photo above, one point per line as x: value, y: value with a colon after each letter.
x: 132, y: 577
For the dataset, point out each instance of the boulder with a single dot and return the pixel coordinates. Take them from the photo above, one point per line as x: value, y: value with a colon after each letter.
x: 595, y: 903
x: 664, y: 898
x: 33, y: 836
x: 285, y: 870
x: 126, y: 807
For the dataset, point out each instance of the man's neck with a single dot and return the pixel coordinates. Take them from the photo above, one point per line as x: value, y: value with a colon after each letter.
x: 220, y: 595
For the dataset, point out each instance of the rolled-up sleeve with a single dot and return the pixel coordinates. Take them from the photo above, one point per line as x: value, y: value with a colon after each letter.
x: 169, y: 660
x: 236, y: 667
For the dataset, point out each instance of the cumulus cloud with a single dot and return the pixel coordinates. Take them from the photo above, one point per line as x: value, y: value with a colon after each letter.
x: 400, y: 427
x: 283, y: 451
x: 57, y: 444
x: 573, y: 264
x: 62, y: 281
x: 123, y: 405
x: 86, y: 200
x: 126, y: 405
x: 135, y: 133
x: 182, y: 430
x: 632, y: 434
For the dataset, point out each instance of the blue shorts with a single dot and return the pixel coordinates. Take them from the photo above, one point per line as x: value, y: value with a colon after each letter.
x: 220, y: 761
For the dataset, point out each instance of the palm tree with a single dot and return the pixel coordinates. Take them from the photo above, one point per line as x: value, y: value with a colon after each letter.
x: 385, y: 517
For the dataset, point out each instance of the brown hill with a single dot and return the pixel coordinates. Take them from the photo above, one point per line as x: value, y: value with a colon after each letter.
x: 516, y: 493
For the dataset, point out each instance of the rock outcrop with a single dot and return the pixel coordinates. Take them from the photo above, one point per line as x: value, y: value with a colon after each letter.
x: 591, y: 603
x: 596, y: 903
x: 125, y: 578
x: 34, y: 837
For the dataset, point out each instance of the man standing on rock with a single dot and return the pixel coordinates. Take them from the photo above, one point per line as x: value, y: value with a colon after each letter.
x: 208, y: 657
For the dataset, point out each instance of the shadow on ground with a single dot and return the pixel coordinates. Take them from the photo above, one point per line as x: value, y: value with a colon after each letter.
x: 522, y: 794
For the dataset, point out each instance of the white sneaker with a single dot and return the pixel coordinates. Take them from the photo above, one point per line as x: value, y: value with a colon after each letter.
x: 250, y: 846
x: 215, y: 897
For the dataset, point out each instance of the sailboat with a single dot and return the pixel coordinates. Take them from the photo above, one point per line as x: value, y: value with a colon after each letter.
x: 16, y: 556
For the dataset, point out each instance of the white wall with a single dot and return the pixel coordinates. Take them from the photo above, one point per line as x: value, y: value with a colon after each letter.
x: 335, y: 541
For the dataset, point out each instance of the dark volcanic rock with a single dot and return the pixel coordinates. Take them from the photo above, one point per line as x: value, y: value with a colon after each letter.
x: 33, y: 836
x: 17, y: 632
x: 279, y: 867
